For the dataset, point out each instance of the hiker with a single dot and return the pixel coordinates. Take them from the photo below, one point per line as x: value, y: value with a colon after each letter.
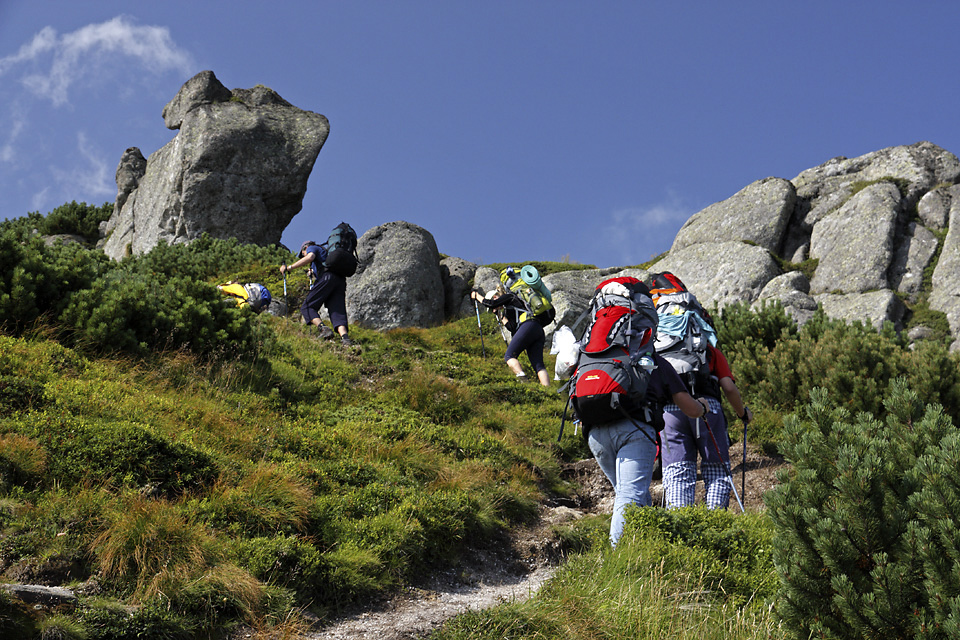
x: 685, y: 438
x: 328, y: 289
x: 619, y: 388
x: 626, y: 448
x: 527, y: 332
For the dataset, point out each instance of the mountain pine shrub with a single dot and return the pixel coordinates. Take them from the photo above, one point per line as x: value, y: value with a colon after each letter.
x: 78, y: 219
x: 854, y: 363
x: 859, y: 531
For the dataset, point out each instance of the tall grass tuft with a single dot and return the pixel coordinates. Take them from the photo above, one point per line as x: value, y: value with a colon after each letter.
x: 151, y: 545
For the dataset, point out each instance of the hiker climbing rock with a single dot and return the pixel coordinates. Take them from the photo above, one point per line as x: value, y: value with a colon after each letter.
x: 618, y: 389
x: 328, y: 289
x: 687, y: 339
x: 524, y: 308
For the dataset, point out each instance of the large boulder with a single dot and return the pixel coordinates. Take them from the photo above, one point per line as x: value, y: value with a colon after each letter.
x: 945, y: 295
x: 757, y: 214
x: 916, y: 250
x: 237, y: 168
x: 398, y: 283
x: 875, y: 307
x: 457, y: 275
x: 792, y: 291
x: 722, y: 273
x: 855, y: 244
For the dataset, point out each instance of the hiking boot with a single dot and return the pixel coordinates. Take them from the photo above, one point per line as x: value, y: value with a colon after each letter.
x: 325, y: 332
x: 346, y: 341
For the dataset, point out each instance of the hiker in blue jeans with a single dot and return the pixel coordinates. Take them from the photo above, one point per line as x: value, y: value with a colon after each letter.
x: 626, y: 448
x: 328, y: 290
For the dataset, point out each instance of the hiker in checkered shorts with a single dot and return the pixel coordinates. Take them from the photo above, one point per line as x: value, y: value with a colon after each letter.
x: 684, y: 439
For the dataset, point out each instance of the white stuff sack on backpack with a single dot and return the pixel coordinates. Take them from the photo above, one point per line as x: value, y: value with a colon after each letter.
x: 567, y: 349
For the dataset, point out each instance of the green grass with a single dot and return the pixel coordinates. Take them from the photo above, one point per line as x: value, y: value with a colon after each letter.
x: 672, y: 575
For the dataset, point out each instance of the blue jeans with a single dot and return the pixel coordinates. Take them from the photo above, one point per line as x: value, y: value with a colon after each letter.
x: 625, y: 455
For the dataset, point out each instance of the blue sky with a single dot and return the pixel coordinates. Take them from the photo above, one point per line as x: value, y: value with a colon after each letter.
x: 511, y: 130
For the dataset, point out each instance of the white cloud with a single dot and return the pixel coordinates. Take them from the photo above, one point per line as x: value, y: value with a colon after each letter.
x: 637, y: 234
x: 14, y: 128
x: 79, y: 55
x: 92, y: 180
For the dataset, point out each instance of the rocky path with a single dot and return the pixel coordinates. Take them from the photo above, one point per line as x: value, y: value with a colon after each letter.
x: 516, y: 570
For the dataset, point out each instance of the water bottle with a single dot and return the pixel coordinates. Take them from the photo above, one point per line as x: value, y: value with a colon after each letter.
x: 647, y: 363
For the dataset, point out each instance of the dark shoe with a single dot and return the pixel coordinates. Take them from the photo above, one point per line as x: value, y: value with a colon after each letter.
x: 325, y: 332
x: 346, y: 341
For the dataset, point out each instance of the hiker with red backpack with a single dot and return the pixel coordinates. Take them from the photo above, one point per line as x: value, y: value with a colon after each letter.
x: 328, y: 288
x: 686, y: 339
x: 618, y: 388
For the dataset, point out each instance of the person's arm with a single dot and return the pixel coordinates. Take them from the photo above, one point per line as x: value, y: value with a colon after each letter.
x: 493, y: 303
x: 691, y: 407
x: 674, y: 387
x: 732, y: 393
x: 721, y: 368
x: 307, y: 259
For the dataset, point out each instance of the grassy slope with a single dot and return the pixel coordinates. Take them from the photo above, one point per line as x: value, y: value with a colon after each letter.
x: 310, y: 476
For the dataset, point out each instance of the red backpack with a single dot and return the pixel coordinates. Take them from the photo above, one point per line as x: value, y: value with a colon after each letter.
x: 615, y: 359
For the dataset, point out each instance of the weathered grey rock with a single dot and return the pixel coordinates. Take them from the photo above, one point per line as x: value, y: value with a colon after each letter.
x: 792, y: 291
x: 920, y: 167
x: 238, y: 168
x: 945, y: 295
x: 723, y: 273
x: 37, y: 594
x: 934, y: 207
x: 875, y: 307
x: 201, y: 89
x: 821, y: 190
x: 757, y: 214
x: 63, y: 238
x: 854, y: 245
x: 129, y: 172
x: 457, y: 275
x: 914, y: 253
x: 398, y: 283
x: 918, y: 333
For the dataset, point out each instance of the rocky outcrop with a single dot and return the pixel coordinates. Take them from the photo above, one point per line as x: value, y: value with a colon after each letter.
x: 237, y: 168
x: 398, y: 283
x: 757, y: 214
x: 865, y: 226
x: 866, y: 229
x: 854, y: 244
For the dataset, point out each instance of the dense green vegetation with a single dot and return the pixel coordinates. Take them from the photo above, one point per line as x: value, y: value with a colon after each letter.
x: 190, y: 467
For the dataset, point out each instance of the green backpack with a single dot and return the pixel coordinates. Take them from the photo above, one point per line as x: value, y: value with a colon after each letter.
x: 535, y: 295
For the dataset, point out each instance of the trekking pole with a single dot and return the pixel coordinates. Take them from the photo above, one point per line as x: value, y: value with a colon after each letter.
x: 476, y: 305
x: 729, y: 474
x: 286, y: 303
x: 743, y: 467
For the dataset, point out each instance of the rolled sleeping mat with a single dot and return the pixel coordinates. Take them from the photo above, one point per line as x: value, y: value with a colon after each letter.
x: 531, y: 276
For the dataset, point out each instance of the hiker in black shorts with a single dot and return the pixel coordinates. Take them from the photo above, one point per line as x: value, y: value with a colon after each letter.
x: 527, y: 335
x: 328, y: 290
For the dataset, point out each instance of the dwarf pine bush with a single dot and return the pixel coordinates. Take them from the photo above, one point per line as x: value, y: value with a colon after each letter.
x: 863, y: 533
x: 79, y: 219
